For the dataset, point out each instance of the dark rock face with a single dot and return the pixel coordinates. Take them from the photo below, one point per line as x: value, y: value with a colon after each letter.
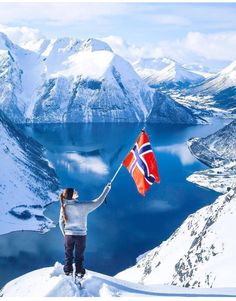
x: 216, y: 149
x: 166, y: 110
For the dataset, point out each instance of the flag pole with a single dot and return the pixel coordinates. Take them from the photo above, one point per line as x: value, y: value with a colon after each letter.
x: 118, y: 169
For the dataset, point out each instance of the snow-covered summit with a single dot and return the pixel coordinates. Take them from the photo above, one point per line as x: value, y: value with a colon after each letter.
x: 5, y: 43
x: 165, y: 71
x: 153, y: 63
x: 92, y: 44
x: 51, y: 282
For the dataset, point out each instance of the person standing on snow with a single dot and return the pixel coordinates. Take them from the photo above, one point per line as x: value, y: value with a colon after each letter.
x: 73, y: 225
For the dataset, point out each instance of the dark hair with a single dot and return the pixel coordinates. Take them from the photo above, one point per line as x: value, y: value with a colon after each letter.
x: 66, y: 194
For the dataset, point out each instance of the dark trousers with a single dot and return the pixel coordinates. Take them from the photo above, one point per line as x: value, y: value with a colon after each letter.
x: 73, y: 243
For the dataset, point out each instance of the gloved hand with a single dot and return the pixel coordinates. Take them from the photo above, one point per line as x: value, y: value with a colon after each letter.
x: 109, y: 184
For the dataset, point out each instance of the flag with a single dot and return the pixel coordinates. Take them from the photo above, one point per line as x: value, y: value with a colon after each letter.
x: 141, y: 164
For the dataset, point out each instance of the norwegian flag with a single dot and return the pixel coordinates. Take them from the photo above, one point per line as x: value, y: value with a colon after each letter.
x: 141, y: 164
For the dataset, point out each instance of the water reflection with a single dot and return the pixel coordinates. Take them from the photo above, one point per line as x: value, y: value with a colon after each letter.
x: 181, y: 150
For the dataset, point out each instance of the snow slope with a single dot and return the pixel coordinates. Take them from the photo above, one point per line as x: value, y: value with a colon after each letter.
x: 201, y: 252
x: 165, y: 71
x: 51, y: 282
x: 27, y: 183
x: 224, y: 79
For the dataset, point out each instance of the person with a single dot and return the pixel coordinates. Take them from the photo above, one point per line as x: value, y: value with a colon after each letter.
x: 73, y: 225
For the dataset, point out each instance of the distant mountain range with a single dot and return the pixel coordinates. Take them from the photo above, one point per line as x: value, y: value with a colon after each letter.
x: 165, y: 71
x: 195, y: 79
x: 71, y: 80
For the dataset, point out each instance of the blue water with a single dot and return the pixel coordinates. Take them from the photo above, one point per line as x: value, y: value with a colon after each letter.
x: 86, y: 157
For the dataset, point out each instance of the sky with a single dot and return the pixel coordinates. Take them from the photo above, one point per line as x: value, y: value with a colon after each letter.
x: 188, y: 32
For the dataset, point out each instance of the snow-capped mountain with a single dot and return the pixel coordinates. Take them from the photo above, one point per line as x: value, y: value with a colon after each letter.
x: 219, y: 152
x: 51, y: 282
x: 165, y: 71
x: 21, y: 74
x: 199, y: 69
x: 224, y: 79
x: 70, y: 80
x: 90, y: 84
x: 216, y: 149
x: 201, y: 252
x: 27, y: 181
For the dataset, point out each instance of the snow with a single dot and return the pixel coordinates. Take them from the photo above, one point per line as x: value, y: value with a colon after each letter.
x: 219, y: 152
x: 219, y: 179
x: 224, y: 79
x: 89, y: 64
x: 203, y: 253
x: 165, y: 70
x: 27, y: 183
x: 51, y: 282
x: 71, y: 80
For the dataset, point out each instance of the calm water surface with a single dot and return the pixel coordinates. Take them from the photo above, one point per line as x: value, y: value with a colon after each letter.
x: 86, y: 157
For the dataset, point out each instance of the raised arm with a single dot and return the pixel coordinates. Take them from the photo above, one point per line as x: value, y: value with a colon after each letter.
x: 98, y: 201
x: 61, y: 223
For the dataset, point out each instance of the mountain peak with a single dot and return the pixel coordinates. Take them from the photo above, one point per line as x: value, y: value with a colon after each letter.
x: 5, y: 42
x: 230, y: 68
x: 95, y: 45
x: 165, y: 70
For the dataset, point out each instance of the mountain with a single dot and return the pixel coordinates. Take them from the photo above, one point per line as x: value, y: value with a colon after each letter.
x: 199, y: 69
x: 201, y: 252
x: 226, y: 99
x: 70, y: 80
x: 165, y: 71
x: 27, y: 181
x: 216, y: 149
x: 90, y: 84
x: 51, y: 282
x: 223, y: 80
x: 166, y: 110
x: 21, y: 73
x: 219, y: 152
